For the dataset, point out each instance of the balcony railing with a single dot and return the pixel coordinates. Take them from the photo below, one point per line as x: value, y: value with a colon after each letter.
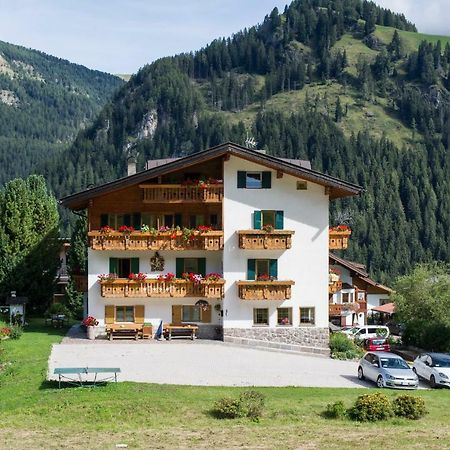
x: 178, y: 193
x: 265, y: 290
x: 336, y: 309
x: 208, y: 240
x: 261, y: 240
x: 334, y: 286
x: 122, y: 288
x: 338, y: 239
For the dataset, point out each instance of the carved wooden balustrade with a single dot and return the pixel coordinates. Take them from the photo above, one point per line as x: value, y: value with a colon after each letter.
x: 265, y: 290
x: 178, y: 193
x: 155, y: 288
x: 334, y: 286
x: 260, y: 240
x: 338, y: 239
x: 136, y: 240
x: 336, y: 309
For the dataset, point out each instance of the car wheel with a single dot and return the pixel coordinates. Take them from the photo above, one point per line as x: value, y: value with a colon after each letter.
x: 380, y: 382
x: 433, y: 382
x: 360, y: 373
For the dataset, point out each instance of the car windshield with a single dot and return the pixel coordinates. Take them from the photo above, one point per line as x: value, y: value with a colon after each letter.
x: 354, y: 330
x: 441, y: 362
x: 393, y: 363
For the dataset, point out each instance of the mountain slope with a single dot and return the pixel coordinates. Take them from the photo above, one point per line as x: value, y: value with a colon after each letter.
x: 44, y: 102
x: 326, y: 80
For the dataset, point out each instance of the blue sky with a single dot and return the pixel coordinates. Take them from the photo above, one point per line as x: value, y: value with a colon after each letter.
x: 119, y: 36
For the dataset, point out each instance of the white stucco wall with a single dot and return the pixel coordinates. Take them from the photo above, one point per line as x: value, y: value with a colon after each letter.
x: 374, y: 300
x: 306, y: 263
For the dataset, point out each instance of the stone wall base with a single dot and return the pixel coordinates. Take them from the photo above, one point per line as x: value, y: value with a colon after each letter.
x: 309, y: 340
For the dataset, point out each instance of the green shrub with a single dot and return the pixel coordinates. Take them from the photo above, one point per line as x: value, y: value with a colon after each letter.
x: 59, y: 308
x: 410, y: 407
x: 335, y: 410
x: 371, y: 408
x: 227, y: 408
x: 344, y: 348
x: 249, y: 404
x: 16, y: 332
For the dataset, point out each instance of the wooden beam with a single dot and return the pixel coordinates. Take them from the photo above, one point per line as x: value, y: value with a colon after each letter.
x: 327, y: 190
x: 226, y: 157
x: 279, y: 174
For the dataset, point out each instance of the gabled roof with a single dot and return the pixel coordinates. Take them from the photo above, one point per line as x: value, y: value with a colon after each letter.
x: 337, y: 188
x: 362, y: 274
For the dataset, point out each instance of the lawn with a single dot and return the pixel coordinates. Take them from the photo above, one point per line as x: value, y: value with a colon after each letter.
x: 34, y: 414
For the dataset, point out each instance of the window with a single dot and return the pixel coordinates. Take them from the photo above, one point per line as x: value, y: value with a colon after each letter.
x: 194, y: 265
x: 347, y: 297
x: 196, y: 220
x: 191, y: 313
x: 123, y: 266
x: 284, y: 316
x: 264, y: 218
x: 260, y: 316
x: 268, y: 218
x: 361, y: 296
x: 307, y: 316
x: 124, y: 314
x: 254, y: 180
x: 262, y: 269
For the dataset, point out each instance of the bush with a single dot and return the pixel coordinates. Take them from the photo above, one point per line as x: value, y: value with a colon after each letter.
x: 335, y: 410
x: 59, y: 308
x: 16, y: 332
x: 344, y: 348
x: 371, y: 408
x: 410, y: 407
x: 249, y: 404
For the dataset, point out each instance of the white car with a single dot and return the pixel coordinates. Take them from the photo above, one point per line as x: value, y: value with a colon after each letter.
x: 367, y: 331
x: 433, y: 367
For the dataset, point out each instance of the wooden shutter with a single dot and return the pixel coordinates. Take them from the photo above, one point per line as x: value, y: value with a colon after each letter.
x: 257, y: 220
x: 202, y: 266
x: 241, y: 179
x: 251, y: 268
x: 109, y: 314
x: 273, y: 268
x: 279, y: 220
x: 114, y: 265
x: 177, y: 311
x: 266, y: 180
x: 104, y: 220
x: 178, y: 220
x: 127, y: 220
x: 179, y: 267
x: 137, y: 221
x: 134, y: 265
x: 139, y: 312
x: 206, y: 314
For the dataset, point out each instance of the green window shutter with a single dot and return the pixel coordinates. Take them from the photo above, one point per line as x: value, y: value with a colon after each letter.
x: 241, y: 177
x: 273, y: 268
x: 202, y: 266
x: 134, y: 266
x: 127, y: 220
x: 113, y: 265
x: 251, y: 269
x: 137, y: 221
x: 178, y: 220
x: 257, y: 220
x: 279, y: 220
x: 266, y: 180
x: 179, y: 267
x: 104, y: 220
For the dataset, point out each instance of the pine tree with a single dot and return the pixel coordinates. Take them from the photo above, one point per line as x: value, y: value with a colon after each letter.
x: 338, y: 113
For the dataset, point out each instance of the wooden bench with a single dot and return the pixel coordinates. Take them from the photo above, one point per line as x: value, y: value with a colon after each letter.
x: 179, y: 330
x: 124, y: 330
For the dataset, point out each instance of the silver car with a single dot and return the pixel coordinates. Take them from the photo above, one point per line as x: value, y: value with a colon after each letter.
x: 433, y: 367
x: 387, y: 370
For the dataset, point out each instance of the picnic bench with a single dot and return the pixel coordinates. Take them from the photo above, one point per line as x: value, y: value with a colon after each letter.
x: 124, y: 330
x: 57, y: 320
x: 74, y: 375
x: 179, y: 330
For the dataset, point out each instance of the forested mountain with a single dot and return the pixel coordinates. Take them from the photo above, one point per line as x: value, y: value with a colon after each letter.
x: 343, y: 83
x: 44, y: 102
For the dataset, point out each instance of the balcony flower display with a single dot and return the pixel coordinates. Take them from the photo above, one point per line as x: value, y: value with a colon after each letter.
x: 106, y: 229
x: 285, y: 321
x: 126, y: 229
x: 195, y: 278
x: 137, y: 276
x: 341, y: 228
x: 264, y: 277
x: 268, y: 228
x: 334, y: 275
x: 168, y: 277
x: 90, y: 321
x: 107, y: 277
x: 213, y: 276
x: 145, y: 228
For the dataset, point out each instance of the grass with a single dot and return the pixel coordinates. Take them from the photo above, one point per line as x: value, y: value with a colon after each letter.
x: 35, y: 414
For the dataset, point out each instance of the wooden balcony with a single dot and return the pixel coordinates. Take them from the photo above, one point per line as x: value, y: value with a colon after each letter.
x: 178, y: 193
x: 338, y: 239
x: 265, y: 290
x: 334, y: 287
x: 208, y: 240
x: 262, y: 240
x: 123, y: 288
x: 336, y: 309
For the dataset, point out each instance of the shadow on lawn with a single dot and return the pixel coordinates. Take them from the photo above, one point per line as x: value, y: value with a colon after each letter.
x: 54, y: 385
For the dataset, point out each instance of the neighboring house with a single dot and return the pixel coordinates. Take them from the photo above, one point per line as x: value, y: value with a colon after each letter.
x: 258, y: 225
x: 62, y: 276
x: 352, y: 293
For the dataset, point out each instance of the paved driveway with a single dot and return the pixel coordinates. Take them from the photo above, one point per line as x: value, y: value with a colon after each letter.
x: 205, y: 363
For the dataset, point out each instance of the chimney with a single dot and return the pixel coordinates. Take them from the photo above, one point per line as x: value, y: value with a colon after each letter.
x: 131, y: 166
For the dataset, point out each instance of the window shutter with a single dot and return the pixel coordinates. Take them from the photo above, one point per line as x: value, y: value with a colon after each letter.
x: 266, y: 180
x: 178, y: 220
x: 139, y: 313
x: 179, y: 267
x: 113, y: 265
x: 127, y: 220
x: 134, y: 265
x: 257, y: 220
x: 251, y: 268
x: 109, y: 314
x: 104, y: 220
x: 273, y: 268
x: 176, y: 314
x: 206, y: 314
x: 279, y: 220
x: 137, y: 221
x: 202, y: 266
x: 241, y: 178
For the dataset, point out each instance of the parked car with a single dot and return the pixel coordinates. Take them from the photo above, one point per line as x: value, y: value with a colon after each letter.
x: 368, y: 331
x: 433, y: 367
x: 387, y: 370
x: 377, y: 345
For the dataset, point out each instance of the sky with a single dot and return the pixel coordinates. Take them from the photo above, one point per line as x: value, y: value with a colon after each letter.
x: 120, y: 36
